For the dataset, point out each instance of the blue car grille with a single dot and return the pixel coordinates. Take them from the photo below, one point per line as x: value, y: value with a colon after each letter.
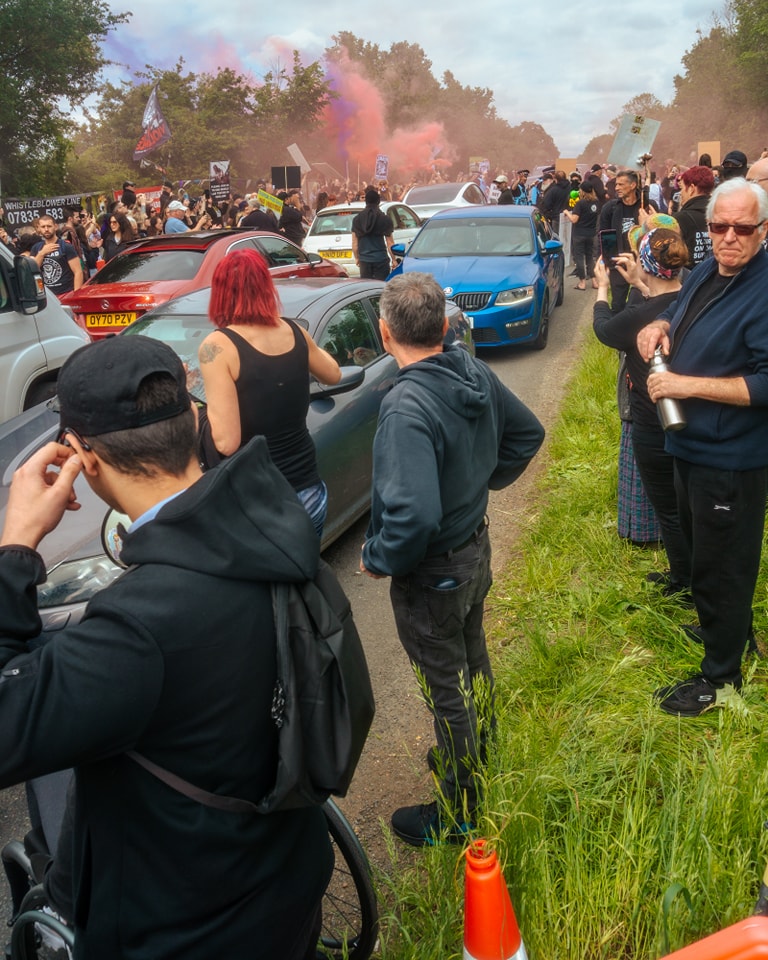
x: 472, y: 301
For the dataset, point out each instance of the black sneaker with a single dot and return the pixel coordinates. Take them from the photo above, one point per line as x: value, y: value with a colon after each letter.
x: 659, y: 578
x: 423, y: 826
x: 668, y: 588
x: 692, y: 697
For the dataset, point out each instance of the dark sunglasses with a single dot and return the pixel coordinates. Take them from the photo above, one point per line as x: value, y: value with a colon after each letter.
x: 740, y: 229
x: 62, y: 438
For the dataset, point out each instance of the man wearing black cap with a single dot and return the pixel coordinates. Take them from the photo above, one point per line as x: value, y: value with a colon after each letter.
x: 595, y: 180
x: 372, y: 239
x: 734, y: 165
x: 175, y: 660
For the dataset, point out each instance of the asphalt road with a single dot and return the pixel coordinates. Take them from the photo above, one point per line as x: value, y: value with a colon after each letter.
x: 392, y: 770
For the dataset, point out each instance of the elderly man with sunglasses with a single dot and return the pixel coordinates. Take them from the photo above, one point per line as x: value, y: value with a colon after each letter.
x: 716, y: 336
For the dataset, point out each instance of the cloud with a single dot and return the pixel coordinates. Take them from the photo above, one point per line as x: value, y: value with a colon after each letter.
x: 569, y: 73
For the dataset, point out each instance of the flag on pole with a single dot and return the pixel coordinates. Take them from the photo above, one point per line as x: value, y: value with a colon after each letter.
x: 156, y: 129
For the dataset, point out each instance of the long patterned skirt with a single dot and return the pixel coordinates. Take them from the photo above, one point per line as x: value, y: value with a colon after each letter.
x: 636, y: 517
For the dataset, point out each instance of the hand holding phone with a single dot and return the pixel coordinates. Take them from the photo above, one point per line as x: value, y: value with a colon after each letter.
x: 609, y: 246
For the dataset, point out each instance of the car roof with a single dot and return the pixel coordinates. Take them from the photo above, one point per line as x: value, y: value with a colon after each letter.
x: 295, y: 295
x: 489, y: 211
x: 198, y: 239
x: 358, y: 205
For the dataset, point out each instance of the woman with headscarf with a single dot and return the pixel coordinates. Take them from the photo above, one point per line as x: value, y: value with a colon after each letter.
x: 654, y: 274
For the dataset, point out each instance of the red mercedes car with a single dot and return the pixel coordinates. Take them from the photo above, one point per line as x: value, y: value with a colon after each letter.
x: 157, y: 269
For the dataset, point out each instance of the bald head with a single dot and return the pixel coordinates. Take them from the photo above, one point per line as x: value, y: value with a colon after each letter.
x: 758, y: 173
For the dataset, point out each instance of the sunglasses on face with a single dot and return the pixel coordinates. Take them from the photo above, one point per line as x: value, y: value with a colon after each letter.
x: 740, y: 229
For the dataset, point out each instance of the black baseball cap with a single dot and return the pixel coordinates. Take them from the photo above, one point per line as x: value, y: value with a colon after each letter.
x: 735, y: 159
x: 98, y: 383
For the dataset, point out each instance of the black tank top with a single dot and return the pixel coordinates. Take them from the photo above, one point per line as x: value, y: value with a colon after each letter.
x: 273, y: 396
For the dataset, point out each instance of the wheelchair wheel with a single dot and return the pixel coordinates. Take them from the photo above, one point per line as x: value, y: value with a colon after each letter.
x: 40, y: 936
x: 350, y: 913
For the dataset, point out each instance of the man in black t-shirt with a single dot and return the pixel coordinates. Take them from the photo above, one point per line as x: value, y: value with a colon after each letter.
x: 621, y: 214
x: 58, y: 261
x: 372, y: 239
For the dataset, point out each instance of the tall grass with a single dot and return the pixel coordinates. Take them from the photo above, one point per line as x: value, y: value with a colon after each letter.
x: 624, y: 832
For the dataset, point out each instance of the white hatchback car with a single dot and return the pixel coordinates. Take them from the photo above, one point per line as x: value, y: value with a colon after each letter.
x: 330, y: 234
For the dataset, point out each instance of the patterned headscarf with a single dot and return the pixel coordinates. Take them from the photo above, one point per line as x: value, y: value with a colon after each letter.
x: 655, y: 220
x: 649, y: 262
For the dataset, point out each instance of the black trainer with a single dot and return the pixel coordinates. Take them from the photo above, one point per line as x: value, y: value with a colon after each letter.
x: 673, y: 591
x: 659, y: 578
x: 423, y: 825
x: 694, y: 696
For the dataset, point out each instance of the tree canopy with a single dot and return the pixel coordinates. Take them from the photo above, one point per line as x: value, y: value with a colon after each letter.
x: 359, y: 100
x: 50, y: 61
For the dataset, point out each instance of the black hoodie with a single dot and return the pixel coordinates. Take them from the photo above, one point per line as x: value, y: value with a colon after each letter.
x: 176, y: 660
x: 448, y: 430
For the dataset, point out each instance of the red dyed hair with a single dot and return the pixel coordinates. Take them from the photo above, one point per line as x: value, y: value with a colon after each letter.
x: 242, y: 291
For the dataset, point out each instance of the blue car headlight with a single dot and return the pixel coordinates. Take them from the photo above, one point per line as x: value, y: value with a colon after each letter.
x: 514, y: 297
x: 76, y: 581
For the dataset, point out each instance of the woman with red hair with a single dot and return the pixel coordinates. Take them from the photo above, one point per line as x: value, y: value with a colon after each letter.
x: 256, y: 368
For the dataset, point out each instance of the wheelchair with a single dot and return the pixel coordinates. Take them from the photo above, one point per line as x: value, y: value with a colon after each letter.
x: 350, y: 911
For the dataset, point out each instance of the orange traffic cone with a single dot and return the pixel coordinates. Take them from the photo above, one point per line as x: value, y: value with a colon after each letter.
x: 490, y: 927
x: 746, y: 940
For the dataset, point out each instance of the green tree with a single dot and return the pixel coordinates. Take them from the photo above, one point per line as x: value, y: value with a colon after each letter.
x: 220, y: 116
x: 50, y: 61
x: 750, y: 36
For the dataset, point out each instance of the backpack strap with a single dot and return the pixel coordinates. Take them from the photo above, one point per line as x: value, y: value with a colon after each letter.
x: 172, y: 780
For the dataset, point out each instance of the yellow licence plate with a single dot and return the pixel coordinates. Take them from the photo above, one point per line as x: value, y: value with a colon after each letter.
x: 336, y: 254
x: 109, y: 319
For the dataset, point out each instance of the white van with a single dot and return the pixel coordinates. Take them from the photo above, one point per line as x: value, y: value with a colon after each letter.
x: 36, y: 336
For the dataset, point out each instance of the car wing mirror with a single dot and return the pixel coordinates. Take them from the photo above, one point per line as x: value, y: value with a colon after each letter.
x: 552, y: 246
x: 314, y: 258
x: 398, y: 249
x: 113, y: 529
x: 351, y: 377
x: 30, y: 288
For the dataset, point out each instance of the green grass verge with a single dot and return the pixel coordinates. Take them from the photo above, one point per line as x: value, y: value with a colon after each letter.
x: 624, y: 832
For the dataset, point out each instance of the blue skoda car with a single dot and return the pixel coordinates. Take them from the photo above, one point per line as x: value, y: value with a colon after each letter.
x: 502, y: 265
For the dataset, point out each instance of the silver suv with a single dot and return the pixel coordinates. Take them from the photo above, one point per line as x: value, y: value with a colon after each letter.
x: 36, y: 336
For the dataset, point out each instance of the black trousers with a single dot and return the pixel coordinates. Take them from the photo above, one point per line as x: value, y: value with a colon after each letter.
x: 438, y: 610
x: 657, y: 471
x: 722, y: 515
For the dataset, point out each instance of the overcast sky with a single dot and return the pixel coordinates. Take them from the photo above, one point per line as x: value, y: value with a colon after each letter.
x: 568, y: 70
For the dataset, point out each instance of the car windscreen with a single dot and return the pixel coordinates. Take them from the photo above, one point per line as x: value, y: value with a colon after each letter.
x: 434, y: 193
x: 183, y: 334
x: 333, y: 224
x: 150, y: 265
x: 474, y: 237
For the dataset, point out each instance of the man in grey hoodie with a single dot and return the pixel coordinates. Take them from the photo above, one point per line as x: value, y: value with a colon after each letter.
x: 448, y: 431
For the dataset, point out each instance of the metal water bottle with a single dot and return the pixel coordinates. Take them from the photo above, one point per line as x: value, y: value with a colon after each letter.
x: 670, y: 412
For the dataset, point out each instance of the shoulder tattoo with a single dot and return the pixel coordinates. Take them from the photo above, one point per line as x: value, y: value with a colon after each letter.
x: 209, y: 352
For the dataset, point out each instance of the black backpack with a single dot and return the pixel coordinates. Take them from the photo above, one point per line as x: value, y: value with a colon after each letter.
x: 322, y: 704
